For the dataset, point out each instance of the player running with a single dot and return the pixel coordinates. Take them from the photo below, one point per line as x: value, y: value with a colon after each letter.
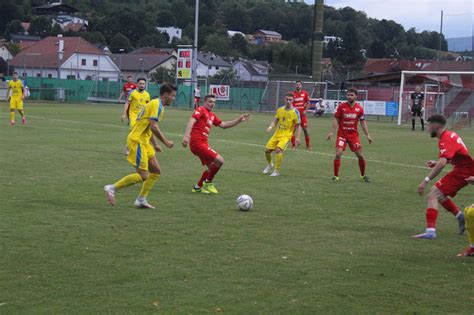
x: 16, y: 96
x: 288, y: 119
x: 417, y: 108
x: 301, y: 103
x: 451, y: 150
x: 345, y: 120
x: 197, y: 134
x: 142, y: 146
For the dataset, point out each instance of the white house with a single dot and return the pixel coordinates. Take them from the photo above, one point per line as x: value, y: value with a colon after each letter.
x: 233, y: 33
x: 5, y: 54
x: 66, y: 58
x: 210, y: 64
x: 251, y: 70
x: 172, y: 32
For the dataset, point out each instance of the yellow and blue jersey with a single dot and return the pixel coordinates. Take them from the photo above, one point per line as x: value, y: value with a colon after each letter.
x: 141, y: 132
x: 137, y: 101
x: 16, y: 88
x: 287, y: 120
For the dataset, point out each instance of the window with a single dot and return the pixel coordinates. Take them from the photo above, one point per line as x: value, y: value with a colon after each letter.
x: 94, y: 62
x: 38, y: 75
x: 210, y: 67
x: 83, y: 62
x: 50, y: 76
x: 71, y: 77
x: 217, y: 68
x: 105, y: 79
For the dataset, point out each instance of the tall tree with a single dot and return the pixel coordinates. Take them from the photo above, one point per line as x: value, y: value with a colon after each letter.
x: 40, y: 26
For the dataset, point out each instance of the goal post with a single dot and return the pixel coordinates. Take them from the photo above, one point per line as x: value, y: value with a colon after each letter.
x: 446, y: 92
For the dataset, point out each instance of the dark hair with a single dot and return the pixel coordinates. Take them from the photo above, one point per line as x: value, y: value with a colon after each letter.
x: 167, y: 88
x: 299, y: 81
x: 141, y: 79
x: 14, y: 72
x: 208, y: 96
x: 352, y: 90
x: 437, y: 119
x: 289, y: 94
x: 129, y: 76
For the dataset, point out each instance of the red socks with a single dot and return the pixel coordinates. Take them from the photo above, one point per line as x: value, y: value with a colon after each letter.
x: 213, y: 169
x: 293, y: 140
x: 362, y: 167
x: 306, y: 138
x: 203, y: 177
x: 337, y: 165
x: 450, y: 206
x: 431, y: 215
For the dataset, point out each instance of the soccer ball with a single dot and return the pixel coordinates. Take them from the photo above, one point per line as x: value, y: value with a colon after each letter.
x: 244, y: 202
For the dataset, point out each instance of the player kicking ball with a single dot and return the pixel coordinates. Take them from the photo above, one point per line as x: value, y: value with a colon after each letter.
x: 288, y: 119
x: 451, y: 150
x: 345, y: 120
x: 197, y: 135
x: 142, y: 147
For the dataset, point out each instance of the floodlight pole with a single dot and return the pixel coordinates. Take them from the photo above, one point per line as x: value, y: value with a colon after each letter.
x: 195, y: 52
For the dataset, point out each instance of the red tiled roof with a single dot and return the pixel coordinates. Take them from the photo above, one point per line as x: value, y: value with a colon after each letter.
x: 378, y: 66
x: 46, y: 50
x: 25, y: 44
x: 451, y: 66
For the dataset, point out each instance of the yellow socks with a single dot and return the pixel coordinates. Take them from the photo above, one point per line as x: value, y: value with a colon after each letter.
x: 469, y: 217
x: 148, y: 184
x: 128, y: 181
x: 278, y: 160
x: 268, y: 156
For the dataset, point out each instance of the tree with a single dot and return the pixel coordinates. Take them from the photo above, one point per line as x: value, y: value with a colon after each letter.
x: 239, y: 43
x: 377, y: 49
x: 56, y: 30
x: 351, y: 47
x: 8, y: 11
x: 157, y: 39
x: 40, y: 26
x: 13, y: 27
x: 163, y: 74
x: 119, y: 42
x: 217, y: 44
x: 13, y: 48
x: 93, y: 37
x: 166, y: 18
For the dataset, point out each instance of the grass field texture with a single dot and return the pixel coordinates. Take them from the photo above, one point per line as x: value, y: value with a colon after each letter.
x: 309, y: 246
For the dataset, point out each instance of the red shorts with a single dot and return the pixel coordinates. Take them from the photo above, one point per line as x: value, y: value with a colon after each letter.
x: 454, y: 181
x: 353, y: 141
x: 205, y: 153
x: 304, y: 120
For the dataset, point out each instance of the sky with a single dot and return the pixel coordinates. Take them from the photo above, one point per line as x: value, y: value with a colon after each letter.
x: 421, y: 14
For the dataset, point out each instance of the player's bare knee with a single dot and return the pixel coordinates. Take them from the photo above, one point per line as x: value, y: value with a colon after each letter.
x: 268, y: 150
x: 278, y: 151
x: 219, y: 161
x: 435, y: 193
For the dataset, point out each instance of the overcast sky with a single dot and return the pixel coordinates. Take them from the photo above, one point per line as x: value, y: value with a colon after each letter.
x: 421, y: 14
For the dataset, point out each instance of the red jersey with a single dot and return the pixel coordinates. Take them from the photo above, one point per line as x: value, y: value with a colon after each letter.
x: 300, y: 99
x: 205, y: 120
x: 128, y: 87
x: 348, y: 118
x: 454, y: 150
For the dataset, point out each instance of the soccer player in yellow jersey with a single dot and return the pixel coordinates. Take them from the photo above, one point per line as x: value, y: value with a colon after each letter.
x: 142, y: 145
x: 469, y: 218
x: 15, y: 87
x: 288, y: 120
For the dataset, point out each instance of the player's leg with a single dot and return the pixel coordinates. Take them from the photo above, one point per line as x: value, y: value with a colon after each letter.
x: 138, y: 158
x: 207, y: 156
x: 213, y: 168
x: 420, y: 114
x: 431, y: 214
x: 362, y: 163
x: 154, y: 174
x: 413, y: 116
x: 20, y: 110
x: 469, y: 217
x: 293, y: 144
x: 281, y: 147
x: 341, y: 144
x: 449, y: 185
x: 13, y: 104
x: 269, y: 148
x: 304, y: 126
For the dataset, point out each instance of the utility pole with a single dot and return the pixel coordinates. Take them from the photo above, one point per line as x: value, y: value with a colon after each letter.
x: 317, y: 40
x: 195, y: 52
x: 440, y: 36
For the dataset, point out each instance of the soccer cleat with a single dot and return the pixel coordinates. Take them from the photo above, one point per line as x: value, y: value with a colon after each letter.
x: 461, y: 223
x: 110, y: 193
x: 468, y: 252
x: 309, y: 147
x: 209, y: 187
x: 335, y: 178
x: 144, y: 204
x: 12, y: 123
x: 365, y: 179
x: 23, y: 120
x: 197, y: 189
x: 275, y: 173
x: 268, y: 169
x: 426, y: 236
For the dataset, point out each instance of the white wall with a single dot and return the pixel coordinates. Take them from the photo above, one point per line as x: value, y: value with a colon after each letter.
x: 204, y: 71
x: 105, y: 68
x: 5, y: 53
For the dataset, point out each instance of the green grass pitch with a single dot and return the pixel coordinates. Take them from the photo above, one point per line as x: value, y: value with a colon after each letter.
x: 309, y: 245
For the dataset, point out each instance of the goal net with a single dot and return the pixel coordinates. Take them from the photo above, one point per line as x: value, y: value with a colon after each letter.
x: 275, y: 90
x: 449, y: 93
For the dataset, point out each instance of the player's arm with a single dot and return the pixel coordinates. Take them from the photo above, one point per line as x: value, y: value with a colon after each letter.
x: 437, y: 168
x: 335, y: 125
x: 297, y: 134
x: 155, y: 144
x: 157, y: 132
x: 125, y: 110
x: 470, y: 180
x: 8, y: 93
x: 121, y: 94
x: 272, y: 124
x: 365, y: 129
x: 187, y: 132
x: 235, y: 122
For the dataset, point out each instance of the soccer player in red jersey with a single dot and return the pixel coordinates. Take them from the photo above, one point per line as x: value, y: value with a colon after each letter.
x: 197, y: 134
x: 451, y: 150
x: 347, y: 115
x: 128, y: 87
x: 301, y: 103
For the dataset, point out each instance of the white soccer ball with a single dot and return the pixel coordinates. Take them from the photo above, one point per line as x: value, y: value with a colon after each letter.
x: 244, y: 202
